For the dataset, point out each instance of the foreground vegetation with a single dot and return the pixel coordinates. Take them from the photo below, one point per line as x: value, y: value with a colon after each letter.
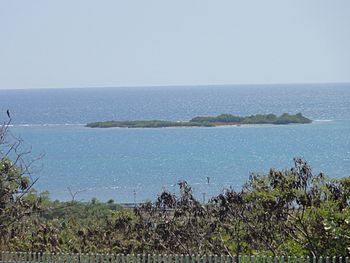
x: 220, y: 120
x: 289, y: 212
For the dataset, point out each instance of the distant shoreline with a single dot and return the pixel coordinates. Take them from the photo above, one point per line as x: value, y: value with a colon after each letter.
x: 207, y: 121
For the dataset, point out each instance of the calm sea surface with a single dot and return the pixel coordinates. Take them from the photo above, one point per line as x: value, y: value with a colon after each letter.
x: 128, y: 164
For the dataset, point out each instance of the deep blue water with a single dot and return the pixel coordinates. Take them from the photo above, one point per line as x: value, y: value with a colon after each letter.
x: 115, y: 163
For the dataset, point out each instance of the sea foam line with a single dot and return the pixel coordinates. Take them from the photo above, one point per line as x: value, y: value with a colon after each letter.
x: 46, y: 125
x: 322, y: 120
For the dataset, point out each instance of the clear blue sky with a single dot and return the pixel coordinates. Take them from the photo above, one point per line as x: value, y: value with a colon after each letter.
x: 71, y: 43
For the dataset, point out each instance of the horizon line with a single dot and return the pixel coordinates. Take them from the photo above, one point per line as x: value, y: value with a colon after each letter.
x: 183, y: 85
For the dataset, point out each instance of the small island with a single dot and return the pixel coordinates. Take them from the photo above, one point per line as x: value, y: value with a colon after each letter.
x: 208, y: 121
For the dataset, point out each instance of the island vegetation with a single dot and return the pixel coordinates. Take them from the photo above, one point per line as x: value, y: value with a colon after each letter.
x: 281, y: 212
x: 220, y: 120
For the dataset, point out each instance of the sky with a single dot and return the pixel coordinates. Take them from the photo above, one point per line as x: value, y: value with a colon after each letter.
x: 65, y: 43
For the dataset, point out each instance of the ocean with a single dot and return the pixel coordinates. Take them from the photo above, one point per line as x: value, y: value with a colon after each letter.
x: 130, y: 165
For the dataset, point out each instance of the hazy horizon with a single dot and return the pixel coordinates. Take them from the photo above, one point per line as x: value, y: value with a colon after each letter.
x: 65, y: 44
x: 191, y: 85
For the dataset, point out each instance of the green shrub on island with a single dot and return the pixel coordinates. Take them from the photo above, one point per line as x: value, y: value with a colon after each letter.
x: 146, y: 124
x: 209, y: 121
x: 223, y: 118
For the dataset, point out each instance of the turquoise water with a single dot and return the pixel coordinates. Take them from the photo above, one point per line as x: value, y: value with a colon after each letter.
x: 124, y: 164
x: 113, y: 163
